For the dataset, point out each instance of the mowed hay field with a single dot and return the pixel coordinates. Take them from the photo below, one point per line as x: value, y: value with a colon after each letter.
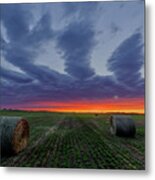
x: 62, y: 140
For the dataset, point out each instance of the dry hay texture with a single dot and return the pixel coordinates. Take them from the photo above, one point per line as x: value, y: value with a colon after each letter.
x: 14, y: 135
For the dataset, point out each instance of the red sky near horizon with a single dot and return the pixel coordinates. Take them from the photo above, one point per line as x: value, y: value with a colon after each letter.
x: 89, y: 58
x: 127, y: 105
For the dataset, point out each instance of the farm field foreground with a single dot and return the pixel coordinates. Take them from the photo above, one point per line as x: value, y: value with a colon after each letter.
x: 61, y: 140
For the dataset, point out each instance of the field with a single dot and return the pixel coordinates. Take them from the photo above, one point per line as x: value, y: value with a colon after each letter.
x: 77, y: 141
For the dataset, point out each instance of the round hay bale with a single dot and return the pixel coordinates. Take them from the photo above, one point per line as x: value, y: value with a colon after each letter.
x: 122, y: 125
x: 14, y: 134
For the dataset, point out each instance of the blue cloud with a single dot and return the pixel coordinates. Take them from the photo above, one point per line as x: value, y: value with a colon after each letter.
x: 41, y: 33
x: 16, y: 20
x: 14, y: 76
x: 3, y: 43
x: 84, y: 9
x: 76, y: 43
x: 25, y: 43
x: 23, y: 59
x: 114, y: 28
x: 127, y: 61
x: 17, y: 24
x: 54, y: 86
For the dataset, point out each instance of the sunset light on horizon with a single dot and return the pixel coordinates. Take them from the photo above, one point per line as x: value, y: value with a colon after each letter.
x: 73, y: 57
x: 135, y: 105
x: 72, y: 85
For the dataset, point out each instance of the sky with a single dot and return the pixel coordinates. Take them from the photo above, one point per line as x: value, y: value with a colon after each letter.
x: 73, y: 57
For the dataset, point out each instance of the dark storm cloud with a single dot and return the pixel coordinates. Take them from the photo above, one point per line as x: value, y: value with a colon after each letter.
x: 42, y: 32
x: 44, y: 82
x: 16, y: 20
x: 14, y: 76
x: 127, y: 60
x: 21, y: 50
x: 23, y: 59
x: 76, y: 43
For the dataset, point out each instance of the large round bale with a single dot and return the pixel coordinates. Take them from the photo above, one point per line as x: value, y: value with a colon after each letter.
x: 14, y: 134
x: 122, y: 125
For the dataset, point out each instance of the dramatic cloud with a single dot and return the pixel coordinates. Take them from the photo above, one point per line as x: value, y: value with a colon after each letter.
x: 21, y: 50
x: 16, y: 20
x: 14, y: 76
x: 42, y: 32
x: 127, y: 60
x: 77, y: 42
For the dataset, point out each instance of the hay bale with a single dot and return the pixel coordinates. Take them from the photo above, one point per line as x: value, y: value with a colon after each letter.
x: 122, y: 125
x: 14, y: 134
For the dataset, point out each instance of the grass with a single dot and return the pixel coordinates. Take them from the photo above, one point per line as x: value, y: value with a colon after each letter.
x: 62, y: 140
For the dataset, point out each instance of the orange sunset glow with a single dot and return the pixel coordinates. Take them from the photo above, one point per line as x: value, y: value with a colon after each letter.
x: 132, y: 105
x: 76, y: 58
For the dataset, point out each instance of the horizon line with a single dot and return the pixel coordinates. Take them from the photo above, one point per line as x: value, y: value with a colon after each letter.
x: 77, y: 112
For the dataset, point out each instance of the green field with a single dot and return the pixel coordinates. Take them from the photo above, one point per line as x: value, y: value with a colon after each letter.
x: 78, y: 141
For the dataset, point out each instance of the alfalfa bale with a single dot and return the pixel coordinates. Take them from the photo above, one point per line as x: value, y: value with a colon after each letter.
x: 122, y: 125
x: 14, y: 135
